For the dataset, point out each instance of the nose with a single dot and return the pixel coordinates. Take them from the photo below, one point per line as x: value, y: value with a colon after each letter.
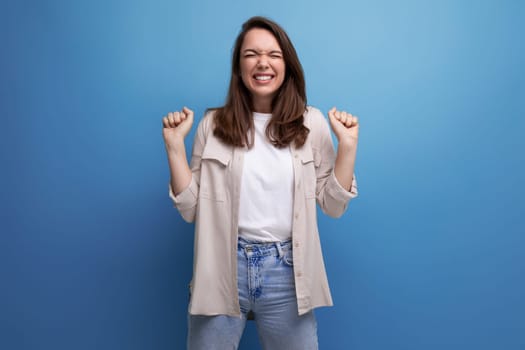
x: 262, y: 62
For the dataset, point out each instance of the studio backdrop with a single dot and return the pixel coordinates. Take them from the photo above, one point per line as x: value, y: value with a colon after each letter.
x: 93, y: 255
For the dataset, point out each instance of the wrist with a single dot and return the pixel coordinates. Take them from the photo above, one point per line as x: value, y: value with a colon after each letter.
x: 348, y: 142
x: 175, y: 146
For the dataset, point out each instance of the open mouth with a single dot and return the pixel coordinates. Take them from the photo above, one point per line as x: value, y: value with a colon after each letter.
x: 263, y: 78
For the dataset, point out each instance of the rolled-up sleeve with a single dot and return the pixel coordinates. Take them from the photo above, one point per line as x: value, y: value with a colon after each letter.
x: 186, y: 201
x: 336, y: 197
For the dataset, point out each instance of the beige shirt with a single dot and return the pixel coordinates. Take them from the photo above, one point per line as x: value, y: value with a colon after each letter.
x: 212, y: 201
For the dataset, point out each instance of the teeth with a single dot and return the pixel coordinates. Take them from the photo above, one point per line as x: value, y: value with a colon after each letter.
x: 263, y: 77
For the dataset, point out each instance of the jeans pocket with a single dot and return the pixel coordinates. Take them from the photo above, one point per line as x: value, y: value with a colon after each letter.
x: 288, y: 257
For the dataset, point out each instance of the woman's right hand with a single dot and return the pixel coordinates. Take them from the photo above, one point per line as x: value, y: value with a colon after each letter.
x: 176, y: 126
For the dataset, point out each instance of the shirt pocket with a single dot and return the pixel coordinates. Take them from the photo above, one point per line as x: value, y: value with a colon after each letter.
x: 214, y: 174
x: 309, y: 166
x: 214, y: 194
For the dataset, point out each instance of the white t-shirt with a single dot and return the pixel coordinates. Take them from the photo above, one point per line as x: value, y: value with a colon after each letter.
x: 266, y: 203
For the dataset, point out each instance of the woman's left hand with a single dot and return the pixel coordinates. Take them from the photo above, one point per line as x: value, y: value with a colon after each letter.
x: 344, y: 125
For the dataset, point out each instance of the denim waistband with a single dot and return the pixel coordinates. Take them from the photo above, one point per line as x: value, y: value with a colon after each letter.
x: 264, y: 248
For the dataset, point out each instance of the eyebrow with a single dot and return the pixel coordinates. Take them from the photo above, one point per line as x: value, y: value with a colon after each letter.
x: 259, y: 52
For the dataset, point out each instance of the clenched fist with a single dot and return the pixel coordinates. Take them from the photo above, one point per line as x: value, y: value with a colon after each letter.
x: 176, y: 126
x: 344, y: 125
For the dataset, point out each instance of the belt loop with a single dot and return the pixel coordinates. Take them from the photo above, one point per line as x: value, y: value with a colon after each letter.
x: 279, y: 249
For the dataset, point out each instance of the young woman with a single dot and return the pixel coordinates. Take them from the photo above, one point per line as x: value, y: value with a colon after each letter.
x: 258, y: 166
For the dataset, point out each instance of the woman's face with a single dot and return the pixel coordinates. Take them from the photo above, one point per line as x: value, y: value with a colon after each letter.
x: 262, y: 67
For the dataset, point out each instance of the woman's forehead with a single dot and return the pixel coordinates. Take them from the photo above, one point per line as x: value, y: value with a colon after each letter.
x: 259, y: 39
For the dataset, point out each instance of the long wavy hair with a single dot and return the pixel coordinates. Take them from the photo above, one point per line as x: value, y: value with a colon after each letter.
x: 234, y: 121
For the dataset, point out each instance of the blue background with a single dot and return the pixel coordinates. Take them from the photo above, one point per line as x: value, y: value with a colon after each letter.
x: 430, y: 256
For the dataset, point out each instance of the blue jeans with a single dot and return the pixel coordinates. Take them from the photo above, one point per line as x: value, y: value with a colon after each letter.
x: 266, y: 287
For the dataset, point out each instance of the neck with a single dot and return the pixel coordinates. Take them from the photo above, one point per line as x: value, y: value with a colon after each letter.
x: 262, y: 105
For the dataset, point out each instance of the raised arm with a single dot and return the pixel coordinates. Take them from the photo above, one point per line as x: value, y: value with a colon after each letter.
x: 176, y: 126
x: 346, y: 128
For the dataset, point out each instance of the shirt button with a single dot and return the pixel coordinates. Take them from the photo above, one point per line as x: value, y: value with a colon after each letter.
x: 296, y: 215
x: 295, y: 156
x: 296, y: 244
x: 299, y: 274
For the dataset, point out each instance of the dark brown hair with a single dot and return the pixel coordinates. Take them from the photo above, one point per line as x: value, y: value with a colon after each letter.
x: 234, y: 121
